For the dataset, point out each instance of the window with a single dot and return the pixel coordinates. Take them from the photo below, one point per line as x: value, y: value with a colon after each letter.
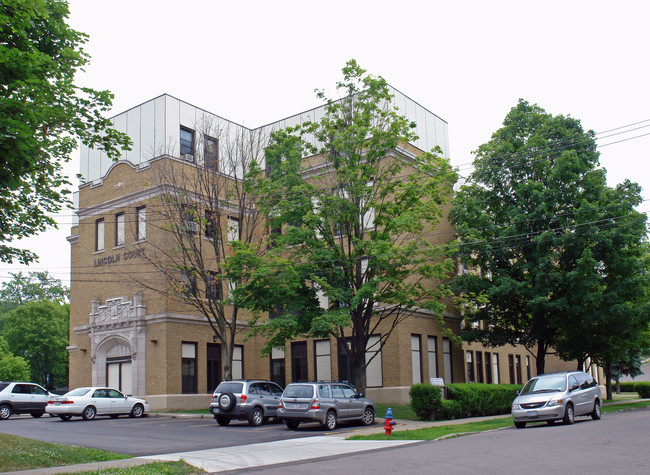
x: 277, y: 366
x: 323, y: 362
x: 189, y: 222
x: 210, y: 153
x: 488, y: 368
x: 187, y: 144
x: 233, y: 229
x: 299, y: 361
x: 99, y: 234
x: 527, y: 367
x: 446, y: 360
x: 188, y: 368
x: 511, y: 368
x: 213, y: 292
x: 188, y: 280
x: 210, y: 224
x: 432, y: 348
x: 238, y: 362
x: 373, y: 368
x: 479, y: 367
x: 368, y: 212
x: 518, y: 368
x: 213, y: 365
x: 119, y: 229
x: 495, y: 368
x: 416, y: 359
x: 141, y: 223
x: 469, y: 358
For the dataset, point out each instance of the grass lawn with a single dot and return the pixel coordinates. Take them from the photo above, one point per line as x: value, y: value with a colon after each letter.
x: 19, y: 453
x: 431, y: 433
x: 158, y: 468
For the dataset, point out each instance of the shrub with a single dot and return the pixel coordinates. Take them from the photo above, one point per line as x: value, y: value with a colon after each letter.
x: 450, y: 410
x: 476, y: 399
x: 426, y: 401
x: 643, y: 388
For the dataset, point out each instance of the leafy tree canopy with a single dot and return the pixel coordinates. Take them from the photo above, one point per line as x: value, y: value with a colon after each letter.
x: 12, y: 368
x: 42, y: 112
x: 31, y: 287
x: 352, y: 216
x: 38, y: 332
x: 557, y: 253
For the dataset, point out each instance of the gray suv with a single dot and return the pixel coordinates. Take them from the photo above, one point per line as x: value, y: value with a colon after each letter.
x: 247, y: 400
x: 22, y: 398
x: 327, y: 403
x: 554, y: 396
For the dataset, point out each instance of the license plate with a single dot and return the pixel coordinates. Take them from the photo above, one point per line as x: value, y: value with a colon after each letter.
x: 532, y: 413
x: 292, y: 405
x: 57, y: 403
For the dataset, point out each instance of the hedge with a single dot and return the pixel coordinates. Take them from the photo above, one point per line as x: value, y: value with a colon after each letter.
x: 463, y: 400
x: 643, y: 388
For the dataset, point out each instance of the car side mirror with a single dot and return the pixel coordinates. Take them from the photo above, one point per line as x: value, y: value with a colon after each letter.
x: 574, y: 387
x: 516, y: 393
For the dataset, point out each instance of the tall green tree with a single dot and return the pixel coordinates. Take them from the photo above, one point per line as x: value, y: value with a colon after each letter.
x: 556, y: 250
x: 351, y: 218
x: 12, y: 368
x: 38, y: 332
x: 33, y: 286
x: 42, y: 112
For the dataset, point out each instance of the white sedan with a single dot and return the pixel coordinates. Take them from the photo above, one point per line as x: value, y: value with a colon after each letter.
x: 95, y: 401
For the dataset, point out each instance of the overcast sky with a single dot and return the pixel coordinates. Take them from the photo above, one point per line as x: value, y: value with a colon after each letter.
x: 254, y: 62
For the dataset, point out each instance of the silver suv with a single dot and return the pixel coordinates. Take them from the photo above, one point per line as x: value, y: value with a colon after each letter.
x: 555, y: 396
x: 22, y: 398
x: 247, y: 400
x: 327, y: 403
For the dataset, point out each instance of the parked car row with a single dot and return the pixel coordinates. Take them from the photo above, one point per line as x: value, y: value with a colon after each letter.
x: 30, y: 398
x: 256, y: 401
x: 548, y: 397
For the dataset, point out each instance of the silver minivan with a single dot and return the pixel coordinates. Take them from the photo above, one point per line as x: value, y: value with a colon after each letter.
x: 557, y: 396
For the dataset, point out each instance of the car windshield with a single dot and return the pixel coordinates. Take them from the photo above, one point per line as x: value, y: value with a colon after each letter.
x: 546, y: 384
x: 78, y: 392
x: 230, y: 387
x: 299, y: 390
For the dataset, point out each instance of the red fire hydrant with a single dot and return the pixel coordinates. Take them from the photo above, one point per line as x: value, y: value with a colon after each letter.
x: 390, y: 422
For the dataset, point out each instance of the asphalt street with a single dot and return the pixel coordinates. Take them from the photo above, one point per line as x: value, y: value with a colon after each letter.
x: 618, y: 443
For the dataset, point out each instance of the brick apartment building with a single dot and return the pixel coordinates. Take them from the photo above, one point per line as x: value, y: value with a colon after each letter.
x: 124, y: 331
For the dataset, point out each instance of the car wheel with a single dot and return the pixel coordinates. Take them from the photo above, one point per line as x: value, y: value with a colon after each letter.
x: 227, y: 401
x: 293, y: 425
x: 5, y: 412
x: 330, y: 420
x: 569, y: 415
x: 595, y: 414
x: 137, y: 411
x: 36, y: 414
x: 89, y: 413
x: 520, y: 425
x: 65, y: 417
x: 368, y: 416
x: 256, y: 418
x: 223, y: 420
